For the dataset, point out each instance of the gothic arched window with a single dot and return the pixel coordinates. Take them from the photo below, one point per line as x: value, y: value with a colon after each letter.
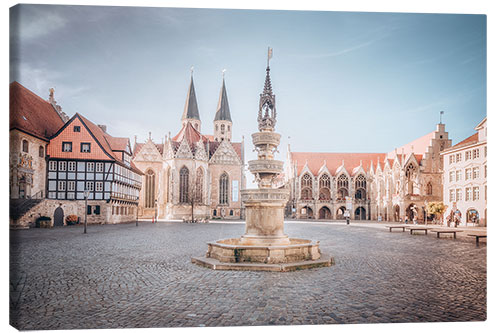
x: 342, y: 186
x: 324, y: 187
x: 306, y: 187
x: 360, y: 185
x: 223, y: 189
x: 429, y: 188
x: 184, y: 185
x: 167, y: 185
x: 199, y: 185
x: 149, y: 198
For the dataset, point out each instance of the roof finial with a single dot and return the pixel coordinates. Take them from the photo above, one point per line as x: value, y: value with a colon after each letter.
x: 149, y: 135
x: 223, y: 72
x: 269, y: 55
x: 441, y: 116
x: 192, y: 70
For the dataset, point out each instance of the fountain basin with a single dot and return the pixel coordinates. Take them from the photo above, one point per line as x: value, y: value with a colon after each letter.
x: 234, y: 254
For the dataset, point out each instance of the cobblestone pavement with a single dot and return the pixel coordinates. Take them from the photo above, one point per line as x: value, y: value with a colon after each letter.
x: 118, y: 276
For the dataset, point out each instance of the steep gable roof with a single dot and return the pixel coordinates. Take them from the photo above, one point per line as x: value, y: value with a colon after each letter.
x: 334, y: 160
x: 31, y: 114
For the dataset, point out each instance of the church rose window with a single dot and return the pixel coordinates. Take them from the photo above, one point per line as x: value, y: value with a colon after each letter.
x: 184, y: 185
x: 223, y: 189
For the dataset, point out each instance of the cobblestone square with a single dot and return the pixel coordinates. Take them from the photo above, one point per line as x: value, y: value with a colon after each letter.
x: 118, y: 276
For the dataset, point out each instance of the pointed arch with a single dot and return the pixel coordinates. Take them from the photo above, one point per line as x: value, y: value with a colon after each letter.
x: 224, y: 189
x: 149, y: 190
x: 360, y: 187
x: 167, y: 184
x: 184, y: 185
x: 306, y: 187
x: 324, y: 187
x: 429, y: 188
x: 342, y: 186
x: 199, y: 185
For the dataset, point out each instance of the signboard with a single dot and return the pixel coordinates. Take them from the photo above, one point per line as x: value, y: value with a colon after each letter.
x: 235, y: 190
x: 348, y: 201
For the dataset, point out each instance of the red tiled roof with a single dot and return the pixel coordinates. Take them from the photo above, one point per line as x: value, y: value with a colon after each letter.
x: 190, y: 133
x: 474, y: 138
x: 116, y: 143
x: 31, y: 114
x: 334, y: 160
x: 98, y: 134
x: 418, y: 146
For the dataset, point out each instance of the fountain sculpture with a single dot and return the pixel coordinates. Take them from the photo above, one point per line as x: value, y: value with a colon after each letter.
x: 264, y: 246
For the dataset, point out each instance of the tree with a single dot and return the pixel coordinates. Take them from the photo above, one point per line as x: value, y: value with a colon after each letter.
x: 436, y: 208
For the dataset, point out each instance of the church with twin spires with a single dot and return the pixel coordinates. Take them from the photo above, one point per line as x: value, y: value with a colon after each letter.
x: 193, y: 173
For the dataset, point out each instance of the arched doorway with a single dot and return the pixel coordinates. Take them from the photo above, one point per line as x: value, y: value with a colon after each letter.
x: 307, y: 212
x: 396, y: 213
x: 411, y: 212
x: 340, y: 213
x: 472, y: 216
x: 360, y: 213
x: 325, y: 213
x: 58, y: 217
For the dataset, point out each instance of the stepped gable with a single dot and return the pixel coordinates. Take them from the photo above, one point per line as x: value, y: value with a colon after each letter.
x: 334, y: 160
x: 31, y: 114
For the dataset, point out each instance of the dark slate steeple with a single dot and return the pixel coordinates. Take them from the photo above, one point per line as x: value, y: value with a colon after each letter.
x: 223, y: 112
x: 191, y: 106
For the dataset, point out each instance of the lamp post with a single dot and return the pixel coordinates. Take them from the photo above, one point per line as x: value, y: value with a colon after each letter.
x: 156, y: 210
x: 86, y: 194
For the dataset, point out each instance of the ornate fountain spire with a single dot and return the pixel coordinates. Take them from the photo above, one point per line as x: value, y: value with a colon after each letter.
x: 267, y: 104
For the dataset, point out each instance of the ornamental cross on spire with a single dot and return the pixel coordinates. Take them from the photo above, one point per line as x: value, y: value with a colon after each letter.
x: 267, y: 108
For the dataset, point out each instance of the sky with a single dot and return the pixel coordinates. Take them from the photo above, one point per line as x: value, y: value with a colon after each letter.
x: 344, y: 81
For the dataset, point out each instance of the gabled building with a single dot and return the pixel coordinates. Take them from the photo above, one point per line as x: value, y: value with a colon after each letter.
x: 465, y: 179
x: 391, y: 185
x: 55, y: 161
x: 193, y: 173
x: 85, y: 160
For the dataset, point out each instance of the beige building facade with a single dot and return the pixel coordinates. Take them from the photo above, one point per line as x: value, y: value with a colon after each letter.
x: 192, y: 174
x: 388, y: 186
x: 465, y: 179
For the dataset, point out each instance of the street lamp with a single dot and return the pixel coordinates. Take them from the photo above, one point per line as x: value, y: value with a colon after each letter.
x: 86, y: 194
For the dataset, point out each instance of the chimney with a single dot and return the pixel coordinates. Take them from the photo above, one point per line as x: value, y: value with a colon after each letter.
x: 103, y: 128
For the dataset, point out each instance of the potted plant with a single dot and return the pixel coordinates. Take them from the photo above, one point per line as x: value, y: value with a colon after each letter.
x: 71, y: 219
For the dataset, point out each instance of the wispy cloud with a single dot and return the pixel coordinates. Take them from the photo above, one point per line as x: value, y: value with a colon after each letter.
x: 38, y: 22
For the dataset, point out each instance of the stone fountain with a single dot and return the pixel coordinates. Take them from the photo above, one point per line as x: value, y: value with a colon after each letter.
x: 264, y: 246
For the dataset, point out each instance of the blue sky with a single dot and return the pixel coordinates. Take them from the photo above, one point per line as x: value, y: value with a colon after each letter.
x: 344, y: 81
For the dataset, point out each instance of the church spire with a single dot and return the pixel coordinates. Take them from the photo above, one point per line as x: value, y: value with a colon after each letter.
x: 223, y: 112
x: 267, y: 108
x: 191, y: 106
